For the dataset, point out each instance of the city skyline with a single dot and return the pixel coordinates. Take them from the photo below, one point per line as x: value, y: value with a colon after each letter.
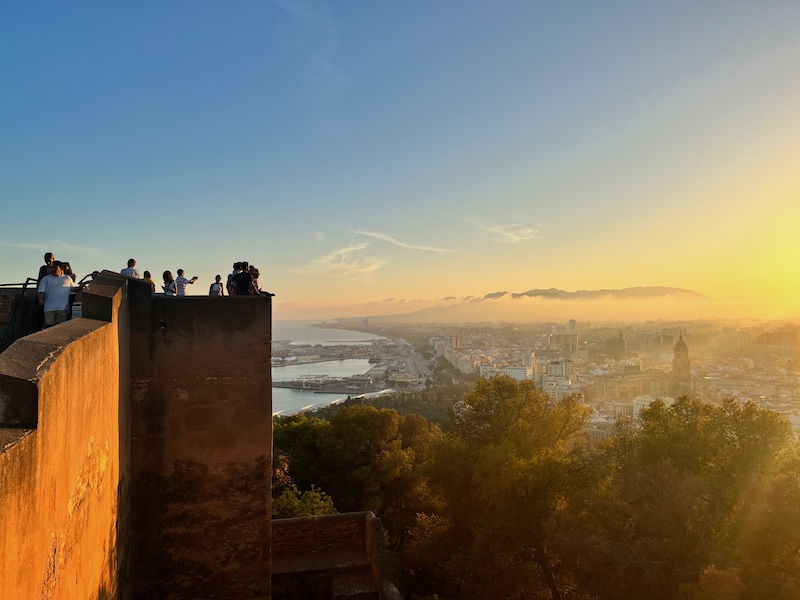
x: 377, y: 159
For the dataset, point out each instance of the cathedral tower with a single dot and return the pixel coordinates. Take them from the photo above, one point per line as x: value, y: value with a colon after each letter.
x: 681, y: 368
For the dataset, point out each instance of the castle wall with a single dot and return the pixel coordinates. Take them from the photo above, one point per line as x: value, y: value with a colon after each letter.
x: 201, y: 447
x: 135, y: 450
x: 63, y: 504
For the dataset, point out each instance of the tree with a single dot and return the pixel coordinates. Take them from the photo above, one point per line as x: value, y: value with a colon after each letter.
x: 364, y: 459
x: 504, y: 469
x: 701, y: 498
x: 292, y: 502
x: 369, y: 461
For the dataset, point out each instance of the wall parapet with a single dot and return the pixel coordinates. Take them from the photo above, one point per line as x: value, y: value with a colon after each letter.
x: 321, y: 549
x: 62, y: 503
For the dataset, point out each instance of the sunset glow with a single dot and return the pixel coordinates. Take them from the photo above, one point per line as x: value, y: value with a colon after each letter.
x: 383, y: 158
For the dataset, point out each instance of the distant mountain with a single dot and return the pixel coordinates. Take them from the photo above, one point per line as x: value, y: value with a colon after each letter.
x: 635, y: 303
x: 633, y: 292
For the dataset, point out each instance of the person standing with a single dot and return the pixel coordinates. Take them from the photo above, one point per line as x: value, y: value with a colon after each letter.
x: 131, y: 271
x: 73, y: 295
x: 53, y: 294
x: 255, y: 274
x: 216, y: 289
x: 169, y: 284
x: 237, y: 268
x: 243, y: 281
x: 44, y: 270
x: 149, y: 279
x: 68, y: 269
x: 181, y: 282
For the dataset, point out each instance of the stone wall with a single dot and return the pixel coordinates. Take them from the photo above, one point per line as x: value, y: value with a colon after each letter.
x: 63, y: 504
x: 135, y: 446
x: 312, y: 554
x: 202, y: 443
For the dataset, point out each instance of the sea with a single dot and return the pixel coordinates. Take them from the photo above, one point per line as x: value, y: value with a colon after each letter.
x: 287, y: 401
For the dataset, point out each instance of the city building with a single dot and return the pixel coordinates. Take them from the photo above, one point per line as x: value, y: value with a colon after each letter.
x: 519, y: 373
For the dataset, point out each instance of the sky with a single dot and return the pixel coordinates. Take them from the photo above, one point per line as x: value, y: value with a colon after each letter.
x: 378, y: 157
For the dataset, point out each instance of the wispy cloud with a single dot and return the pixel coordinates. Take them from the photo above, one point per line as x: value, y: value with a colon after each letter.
x: 318, y: 236
x: 74, y: 247
x: 348, y: 261
x: 52, y: 245
x: 388, y: 238
x: 327, y: 80
x: 22, y: 245
x: 513, y: 233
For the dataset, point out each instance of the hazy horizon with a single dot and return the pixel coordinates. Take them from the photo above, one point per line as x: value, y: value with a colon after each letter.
x: 383, y: 158
x: 523, y: 309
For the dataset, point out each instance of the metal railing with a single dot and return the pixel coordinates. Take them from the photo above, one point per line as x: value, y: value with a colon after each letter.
x: 5, y: 340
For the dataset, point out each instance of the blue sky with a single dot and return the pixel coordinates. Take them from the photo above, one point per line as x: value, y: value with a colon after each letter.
x: 377, y: 157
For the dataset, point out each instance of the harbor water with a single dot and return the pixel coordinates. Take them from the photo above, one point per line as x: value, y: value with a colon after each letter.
x: 288, y: 401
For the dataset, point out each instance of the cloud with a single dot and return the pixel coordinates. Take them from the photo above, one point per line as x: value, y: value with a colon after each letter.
x: 318, y: 236
x: 52, y: 245
x: 326, y: 80
x: 74, y: 247
x: 347, y: 261
x: 387, y: 238
x: 22, y: 246
x: 511, y: 233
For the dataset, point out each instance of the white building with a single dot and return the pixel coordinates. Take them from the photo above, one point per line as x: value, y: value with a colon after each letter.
x: 519, y: 373
x: 560, y: 369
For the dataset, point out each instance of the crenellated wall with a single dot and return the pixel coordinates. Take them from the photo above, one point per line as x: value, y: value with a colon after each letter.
x: 135, y: 446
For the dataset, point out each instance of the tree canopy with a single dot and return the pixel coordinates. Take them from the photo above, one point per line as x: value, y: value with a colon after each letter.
x: 508, y: 499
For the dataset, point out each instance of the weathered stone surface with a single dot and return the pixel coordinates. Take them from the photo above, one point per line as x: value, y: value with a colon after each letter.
x: 202, y: 443
x: 62, y: 519
x: 135, y: 446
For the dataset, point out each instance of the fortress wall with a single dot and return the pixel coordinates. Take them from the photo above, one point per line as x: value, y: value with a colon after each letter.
x: 201, y: 447
x: 135, y: 450
x: 63, y: 503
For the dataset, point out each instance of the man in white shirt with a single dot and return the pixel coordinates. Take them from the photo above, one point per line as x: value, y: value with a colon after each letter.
x: 130, y: 271
x: 53, y: 294
x: 181, y: 282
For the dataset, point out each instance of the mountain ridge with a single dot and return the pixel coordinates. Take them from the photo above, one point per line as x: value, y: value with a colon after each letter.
x: 555, y: 303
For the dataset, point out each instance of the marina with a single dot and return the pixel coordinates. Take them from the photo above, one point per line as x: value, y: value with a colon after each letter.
x: 314, y: 366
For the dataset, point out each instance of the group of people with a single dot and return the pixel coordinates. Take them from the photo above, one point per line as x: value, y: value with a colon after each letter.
x: 243, y: 281
x: 173, y: 286
x: 57, y: 289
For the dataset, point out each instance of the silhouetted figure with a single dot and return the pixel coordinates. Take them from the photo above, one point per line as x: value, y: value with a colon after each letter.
x: 49, y: 257
x: 169, y: 284
x: 73, y: 293
x: 149, y: 279
x: 130, y: 271
x: 237, y: 268
x: 216, y: 288
x: 181, y: 282
x: 243, y: 281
